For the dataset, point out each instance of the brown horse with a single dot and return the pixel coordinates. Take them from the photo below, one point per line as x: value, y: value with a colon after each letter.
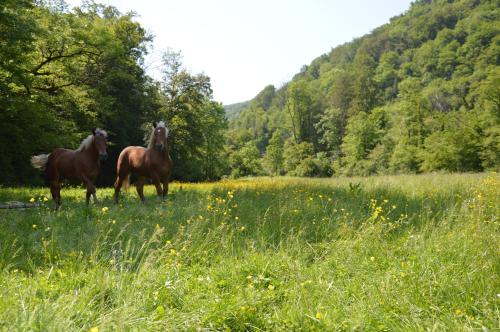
x: 82, y: 165
x: 154, y: 163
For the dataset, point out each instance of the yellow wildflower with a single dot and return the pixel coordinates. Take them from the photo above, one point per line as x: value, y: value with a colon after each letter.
x: 32, y: 199
x: 105, y: 209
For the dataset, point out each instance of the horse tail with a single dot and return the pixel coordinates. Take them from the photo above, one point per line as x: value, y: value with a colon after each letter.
x: 40, y: 161
x: 126, y: 183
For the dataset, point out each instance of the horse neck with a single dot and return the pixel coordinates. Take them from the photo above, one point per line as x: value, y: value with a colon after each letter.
x: 162, y: 154
x: 92, y: 153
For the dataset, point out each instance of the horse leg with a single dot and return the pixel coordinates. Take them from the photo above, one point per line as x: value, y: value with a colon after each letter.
x: 95, y: 196
x: 87, y: 197
x: 118, y: 186
x: 55, y: 190
x: 165, y: 188
x: 55, y: 185
x: 122, y: 175
x: 139, y: 186
x: 156, y: 182
x: 91, y: 190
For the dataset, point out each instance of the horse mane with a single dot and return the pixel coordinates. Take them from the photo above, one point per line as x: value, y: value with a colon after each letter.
x: 150, y: 141
x: 87, y: 142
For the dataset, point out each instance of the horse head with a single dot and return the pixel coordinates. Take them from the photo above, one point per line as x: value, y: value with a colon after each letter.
x: 160, y: 136
x: 100, y: 141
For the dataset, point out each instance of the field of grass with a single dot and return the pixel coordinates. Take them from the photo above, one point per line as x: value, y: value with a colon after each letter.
x: 399, y: 253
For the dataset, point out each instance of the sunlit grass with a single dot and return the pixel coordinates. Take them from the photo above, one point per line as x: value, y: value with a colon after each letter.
x: 380, y: 253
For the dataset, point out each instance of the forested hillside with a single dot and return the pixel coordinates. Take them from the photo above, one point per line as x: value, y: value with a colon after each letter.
x: 64, y: 72
x: 418, y: 94
x: 421, y: 93
x: 234, y: 110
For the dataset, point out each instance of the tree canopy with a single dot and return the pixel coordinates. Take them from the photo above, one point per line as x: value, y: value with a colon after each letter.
x: 64, y: 72
x: 418, y: 94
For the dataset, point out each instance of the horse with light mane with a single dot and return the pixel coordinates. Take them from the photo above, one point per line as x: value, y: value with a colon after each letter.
x: 153, y: 162
x: 82, y: 165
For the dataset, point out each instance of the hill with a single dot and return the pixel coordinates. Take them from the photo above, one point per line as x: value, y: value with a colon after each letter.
x: 234, y: 110
x: 417, y: 94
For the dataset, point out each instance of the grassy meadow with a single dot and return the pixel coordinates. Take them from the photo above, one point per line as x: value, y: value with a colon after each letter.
x: 395, y: 253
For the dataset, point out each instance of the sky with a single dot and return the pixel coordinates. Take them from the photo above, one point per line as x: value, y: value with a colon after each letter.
x: 244, y: 45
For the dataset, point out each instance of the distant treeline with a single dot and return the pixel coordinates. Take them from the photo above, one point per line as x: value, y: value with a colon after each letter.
x: 64, y: 72
x: 421, y: 93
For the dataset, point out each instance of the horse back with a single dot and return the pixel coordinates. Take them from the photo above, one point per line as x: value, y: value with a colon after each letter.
x: 71, y: 164
x: 60, y: 163
x: 132, y: 158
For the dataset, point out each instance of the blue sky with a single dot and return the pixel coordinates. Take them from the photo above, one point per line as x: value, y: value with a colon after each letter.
x: 245, y: 45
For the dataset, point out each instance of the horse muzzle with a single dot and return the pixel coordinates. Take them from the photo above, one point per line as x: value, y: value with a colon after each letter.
x: 103, y: 156
x: 160, y: 147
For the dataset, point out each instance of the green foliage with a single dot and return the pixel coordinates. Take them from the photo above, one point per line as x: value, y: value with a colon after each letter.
x: 264, y: 98
x: 418, y: 94
x: 245, y: 161
x: 274, y: 153
x: 434, y: 72
x: 74, y: 71
x: 62, y: 73
x: 455, y: 148
x: 297, y: 158
x: 195, y: 121
x: 361, y: 144
x: 234, y: 110
x: 300, y: 160
x: 298, y: 105
x: 330, y: 127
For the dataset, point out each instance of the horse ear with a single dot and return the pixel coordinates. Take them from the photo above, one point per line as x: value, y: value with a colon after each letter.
x: 93, y: 132
x: 154, y: 124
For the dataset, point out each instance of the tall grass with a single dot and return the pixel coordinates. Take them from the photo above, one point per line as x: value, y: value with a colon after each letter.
x: 391, y: 253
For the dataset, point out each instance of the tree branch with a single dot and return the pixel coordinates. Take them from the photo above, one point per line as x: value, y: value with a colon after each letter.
x: 52, y: 58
